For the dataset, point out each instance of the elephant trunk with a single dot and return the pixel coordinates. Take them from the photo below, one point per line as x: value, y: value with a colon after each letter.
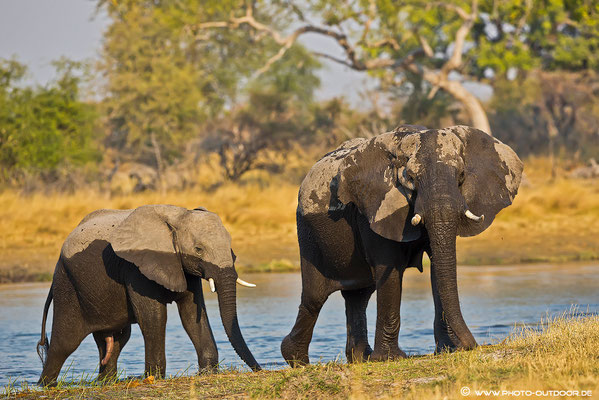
x: 226, y: 290
x: 441, y: 222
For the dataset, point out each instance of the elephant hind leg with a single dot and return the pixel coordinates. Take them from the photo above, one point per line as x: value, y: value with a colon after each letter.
x: 357, y: 348
x: 150, y: 314
x: 68, y: 327
x: 119, y: 339
x: 61, y: 347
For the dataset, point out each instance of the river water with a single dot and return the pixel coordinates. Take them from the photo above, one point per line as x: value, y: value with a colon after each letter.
x: 494, y: 300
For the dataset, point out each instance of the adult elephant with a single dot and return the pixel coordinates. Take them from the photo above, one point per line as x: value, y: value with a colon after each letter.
x: 369, y: 209
x: 120, y: 267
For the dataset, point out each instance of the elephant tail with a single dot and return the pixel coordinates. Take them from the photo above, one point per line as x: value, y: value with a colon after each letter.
x: 43, y: 345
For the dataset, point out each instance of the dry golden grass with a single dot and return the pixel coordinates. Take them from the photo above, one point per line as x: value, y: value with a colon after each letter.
x: 261, y: 221
x: 549, y: 221
x: 562, y: 356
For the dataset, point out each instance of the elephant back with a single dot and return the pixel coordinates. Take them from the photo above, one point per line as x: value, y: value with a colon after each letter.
x: 97, y: 225
x: 316, y: 195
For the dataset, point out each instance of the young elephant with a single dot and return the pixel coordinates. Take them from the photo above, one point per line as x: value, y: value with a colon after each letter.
x: 120, y: 267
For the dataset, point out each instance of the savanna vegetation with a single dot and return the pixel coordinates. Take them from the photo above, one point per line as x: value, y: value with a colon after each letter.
x: 553, y: 360
x: 214, y: 103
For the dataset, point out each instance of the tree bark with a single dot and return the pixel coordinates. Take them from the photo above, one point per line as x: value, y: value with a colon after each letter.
x: 475, y: 110
x: 159, y: 162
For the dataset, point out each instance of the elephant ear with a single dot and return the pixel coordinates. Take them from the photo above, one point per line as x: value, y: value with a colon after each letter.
x: 146, y: 239
x: 368, y: 178
x: 492, y: 174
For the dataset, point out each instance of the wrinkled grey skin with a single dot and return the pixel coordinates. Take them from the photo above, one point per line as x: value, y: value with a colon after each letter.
x: 120, y: 267
x: 354, y: 231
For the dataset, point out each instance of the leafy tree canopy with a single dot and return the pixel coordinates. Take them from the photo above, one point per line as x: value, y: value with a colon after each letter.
x: 166, y: 78
x: 44, y: 128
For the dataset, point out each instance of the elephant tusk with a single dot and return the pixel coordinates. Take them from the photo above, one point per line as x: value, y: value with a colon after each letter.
x: 212, y: 287
x: 416, y: 219
x: 244, y: 283
x: 474, y: 217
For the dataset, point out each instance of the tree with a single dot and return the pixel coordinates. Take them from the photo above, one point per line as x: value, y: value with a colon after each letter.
x: 552, y: 112
x: 166, y: 82
x: 153, y: 92
x: 440, y: 42
x: 44, y: 128
x: 385, y: 38
x: 276, y: 113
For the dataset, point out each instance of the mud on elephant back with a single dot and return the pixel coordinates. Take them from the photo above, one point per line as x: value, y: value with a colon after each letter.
x: 370, y: 209
x: 120, y: 267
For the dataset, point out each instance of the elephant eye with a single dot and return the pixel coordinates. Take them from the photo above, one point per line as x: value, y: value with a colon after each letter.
x: 407, y: 179
x: 198, y: 249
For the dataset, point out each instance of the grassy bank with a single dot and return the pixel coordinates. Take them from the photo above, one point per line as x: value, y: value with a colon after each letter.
x: 550, y: 221
x: 561, y: 356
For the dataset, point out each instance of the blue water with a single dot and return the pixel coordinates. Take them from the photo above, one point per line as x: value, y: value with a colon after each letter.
x: 493, y: 300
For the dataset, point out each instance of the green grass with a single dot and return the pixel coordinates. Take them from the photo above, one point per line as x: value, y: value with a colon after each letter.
x: 560, y: 354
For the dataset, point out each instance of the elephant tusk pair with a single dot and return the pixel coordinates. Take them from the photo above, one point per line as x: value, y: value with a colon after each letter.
x: 417, y: 218
x: 474, y: 217
x: 239, y: 282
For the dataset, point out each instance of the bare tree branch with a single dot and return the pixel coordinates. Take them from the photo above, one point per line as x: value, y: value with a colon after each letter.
x: 438, y: 79
x: 333, y: 58
x: 425, y: 46
x: 285, y: 42
x: 524, y: 18
x: 458, y: 10
x: 455, y: 61
x: 390, y: 42
x: 371, y: 15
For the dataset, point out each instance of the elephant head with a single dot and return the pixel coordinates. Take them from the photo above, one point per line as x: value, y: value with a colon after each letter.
x: 167, y: 242
x: 415, y: 182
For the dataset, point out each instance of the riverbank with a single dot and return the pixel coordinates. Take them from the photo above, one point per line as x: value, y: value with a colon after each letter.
x: 562, y: 356
x: 550, y: 221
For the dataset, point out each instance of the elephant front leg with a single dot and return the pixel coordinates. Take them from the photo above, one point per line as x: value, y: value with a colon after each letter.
x: 194, y: 318
x: 357, y: 348
x: 108, y: 362
x: 388, y: 284
x: 150, y: 314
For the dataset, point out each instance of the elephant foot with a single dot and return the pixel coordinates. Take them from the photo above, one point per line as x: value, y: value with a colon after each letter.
x: 106, y: 375
x: 446, y: 342
x: 47, y: 383
x: 388, y: 354
x: 358, y: 353
x: 295, y: 355
x: 450, y: 348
